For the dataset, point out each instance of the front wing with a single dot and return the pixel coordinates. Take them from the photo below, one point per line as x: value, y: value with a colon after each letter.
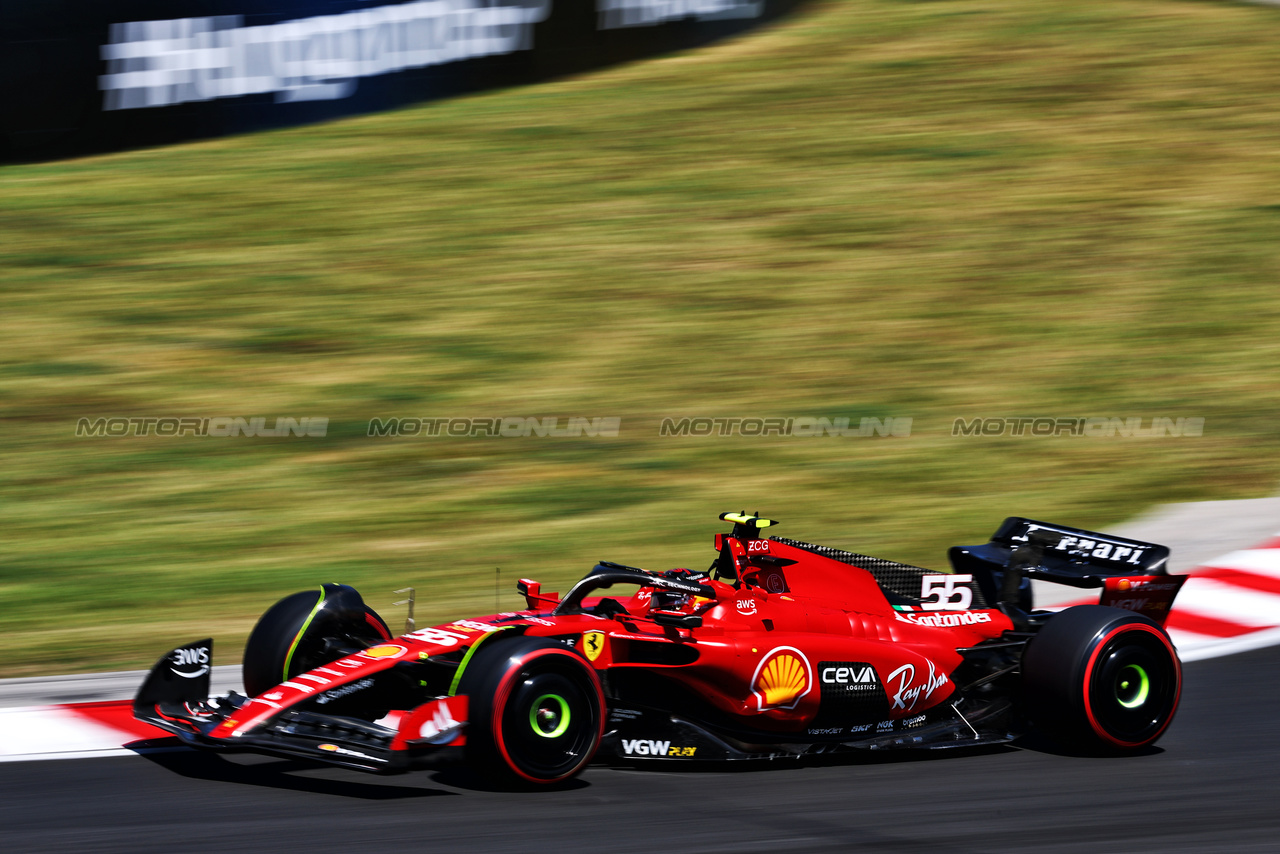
x: 175, y: 698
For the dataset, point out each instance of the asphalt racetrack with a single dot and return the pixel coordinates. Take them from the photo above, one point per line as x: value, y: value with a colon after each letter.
x: 1209, y: 785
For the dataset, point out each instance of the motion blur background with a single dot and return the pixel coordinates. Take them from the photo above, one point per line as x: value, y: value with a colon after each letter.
x: 924, y: 209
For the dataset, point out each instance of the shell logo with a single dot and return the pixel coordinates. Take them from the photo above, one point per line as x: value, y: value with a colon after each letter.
x: 781, y: 679
x: 1124, y: 584
x: 386, y: 650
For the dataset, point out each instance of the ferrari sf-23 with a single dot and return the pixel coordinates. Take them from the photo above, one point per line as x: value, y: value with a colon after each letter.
x: 781, y: 649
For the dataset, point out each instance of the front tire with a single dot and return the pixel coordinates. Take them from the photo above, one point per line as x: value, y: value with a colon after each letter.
x: 1102, y: 679
x: 536, y: 711
x: 301, y: 632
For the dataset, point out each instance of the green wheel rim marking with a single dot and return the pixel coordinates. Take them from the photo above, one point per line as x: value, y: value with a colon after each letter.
x: 1138, y: 695
x: 561, y: 725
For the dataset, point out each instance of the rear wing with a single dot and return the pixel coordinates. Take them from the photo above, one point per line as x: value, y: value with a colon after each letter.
x: 1024, y: 549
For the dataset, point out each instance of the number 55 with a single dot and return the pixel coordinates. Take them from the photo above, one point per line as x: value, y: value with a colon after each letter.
x: 944, y: 593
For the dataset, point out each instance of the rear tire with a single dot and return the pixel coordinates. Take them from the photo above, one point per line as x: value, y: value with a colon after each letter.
x: 536, y: 711
x: 1102, y: 679
x: 300, y: 632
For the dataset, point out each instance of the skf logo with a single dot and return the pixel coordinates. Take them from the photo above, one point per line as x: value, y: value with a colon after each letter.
x: 781, y: 679
x: 593, y: 644
x: 386, y: 650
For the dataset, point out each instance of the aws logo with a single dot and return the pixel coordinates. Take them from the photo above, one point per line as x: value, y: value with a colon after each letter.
x: 781, y: 679
x: 190, y: 662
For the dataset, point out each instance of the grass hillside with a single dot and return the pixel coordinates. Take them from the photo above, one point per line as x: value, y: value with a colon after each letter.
x: 876, y: 208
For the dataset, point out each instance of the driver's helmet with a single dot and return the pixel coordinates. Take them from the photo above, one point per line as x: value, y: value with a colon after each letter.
x: 669, y: 600
x: 674, y: 600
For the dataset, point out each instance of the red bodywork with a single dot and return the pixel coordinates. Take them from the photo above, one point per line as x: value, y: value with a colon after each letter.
x: 783, y: 648
x: 757, y: 656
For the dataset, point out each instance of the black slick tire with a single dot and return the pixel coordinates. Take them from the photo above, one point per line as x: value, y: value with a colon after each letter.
x: 1101, y: 679
x: 298, y: 634
x: 536, y: 711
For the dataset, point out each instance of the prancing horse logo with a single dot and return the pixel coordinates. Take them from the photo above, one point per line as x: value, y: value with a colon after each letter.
x: 593, y: 644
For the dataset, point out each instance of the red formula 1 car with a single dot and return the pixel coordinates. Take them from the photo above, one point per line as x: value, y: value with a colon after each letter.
x: 781, y: 649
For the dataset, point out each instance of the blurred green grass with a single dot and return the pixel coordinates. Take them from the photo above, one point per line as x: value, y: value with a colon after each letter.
x: 877, y: 207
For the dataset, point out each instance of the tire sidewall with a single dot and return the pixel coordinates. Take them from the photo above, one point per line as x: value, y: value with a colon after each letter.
x: 1091, y: 673
x: 489, y: 681
x: 269, y: 642
x: 1061, y: 668
x: 287, y: 626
